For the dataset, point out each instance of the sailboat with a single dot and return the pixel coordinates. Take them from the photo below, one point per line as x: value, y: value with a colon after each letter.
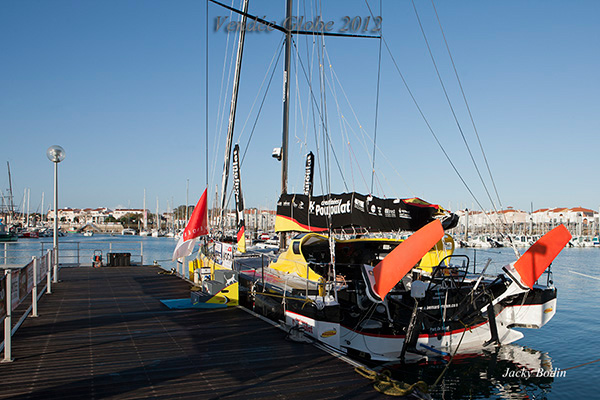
x: 345, y: 279
x: 144, y: 231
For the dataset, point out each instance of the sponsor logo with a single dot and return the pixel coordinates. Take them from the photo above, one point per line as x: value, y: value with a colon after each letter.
x: 548, y: 310
x: 307, y: 328
x: 329, y: 333
x: 359, y: 204
x: 331, y: 207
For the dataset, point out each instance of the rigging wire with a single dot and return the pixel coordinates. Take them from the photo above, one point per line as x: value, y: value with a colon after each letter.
x: 366, y: 135
x: 422, y: 114
x: 505, y: 222
x: 206, y: 99
x: 501, y: 218
x: 263, y: 100
x: 462, y: 134
x: 377, y: 99
x: 222, y: 98
x: 326, y: 137
x: 281, y: 47
x: 467, y: 104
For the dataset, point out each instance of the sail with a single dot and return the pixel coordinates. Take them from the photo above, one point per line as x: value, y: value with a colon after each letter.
x: 299, y: 213
x: 239, y: 201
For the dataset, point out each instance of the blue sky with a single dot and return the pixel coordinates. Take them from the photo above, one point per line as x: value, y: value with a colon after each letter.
x: 121, y: 86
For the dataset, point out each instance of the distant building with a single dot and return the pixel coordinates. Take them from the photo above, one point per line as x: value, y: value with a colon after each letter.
x: 578, y: 220
x: 121, y: 212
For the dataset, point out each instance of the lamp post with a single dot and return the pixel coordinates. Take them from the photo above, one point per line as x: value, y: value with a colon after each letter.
x: 55, y: 154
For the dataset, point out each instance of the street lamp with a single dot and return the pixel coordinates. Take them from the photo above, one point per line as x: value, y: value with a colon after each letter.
x: 55, y: 154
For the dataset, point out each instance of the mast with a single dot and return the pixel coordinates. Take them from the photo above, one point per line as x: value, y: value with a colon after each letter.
x: 286, y: 109
x: 286, y: 98
x: 10, y: 197
x: 157, y: 216
x: 234, y: 95
x: 145, y: 213
x: 28, y: 196
x: 187, y: 201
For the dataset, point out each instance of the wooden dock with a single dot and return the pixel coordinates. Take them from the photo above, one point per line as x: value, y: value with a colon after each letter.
x: 103, y: 333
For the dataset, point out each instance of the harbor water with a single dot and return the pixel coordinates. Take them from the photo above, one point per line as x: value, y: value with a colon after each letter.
x: 559, y: 361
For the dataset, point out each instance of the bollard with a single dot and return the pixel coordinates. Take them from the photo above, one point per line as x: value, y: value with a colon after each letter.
x: 8, y: 319
x: 34, y: 293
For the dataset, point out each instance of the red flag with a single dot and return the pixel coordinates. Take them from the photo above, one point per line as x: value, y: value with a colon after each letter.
x: 197, y: 226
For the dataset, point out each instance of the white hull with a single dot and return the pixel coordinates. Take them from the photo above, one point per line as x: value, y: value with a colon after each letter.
x: 389, y: 348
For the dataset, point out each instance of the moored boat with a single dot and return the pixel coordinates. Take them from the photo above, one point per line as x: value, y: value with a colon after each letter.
x: 376, y: 296
x: 7, y: 235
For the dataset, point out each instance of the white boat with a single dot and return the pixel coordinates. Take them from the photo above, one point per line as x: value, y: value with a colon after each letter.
x: 128, y: 231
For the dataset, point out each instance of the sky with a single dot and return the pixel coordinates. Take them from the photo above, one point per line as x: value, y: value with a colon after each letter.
x: 129, y: 87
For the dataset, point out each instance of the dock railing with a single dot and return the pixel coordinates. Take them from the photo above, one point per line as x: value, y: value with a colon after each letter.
x: 18, y: 283
x: 74, y: 253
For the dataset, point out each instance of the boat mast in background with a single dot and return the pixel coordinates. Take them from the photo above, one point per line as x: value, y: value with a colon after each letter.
x: 145, y: 213
x: 10, y: 204
x: 232, y: 109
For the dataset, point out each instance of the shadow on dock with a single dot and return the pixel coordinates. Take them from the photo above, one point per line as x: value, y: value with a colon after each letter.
x: 104, y: 333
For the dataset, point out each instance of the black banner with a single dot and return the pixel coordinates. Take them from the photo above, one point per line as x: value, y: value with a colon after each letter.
x: 309, y: 174
x: 296, y: 212
x: 237, y: 188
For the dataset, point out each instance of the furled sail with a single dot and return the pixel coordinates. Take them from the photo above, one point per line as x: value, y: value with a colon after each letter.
x: 299, y: 213
x: 239, y: 201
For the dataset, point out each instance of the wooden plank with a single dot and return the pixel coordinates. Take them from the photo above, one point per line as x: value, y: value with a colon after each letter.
x: 104, y: 333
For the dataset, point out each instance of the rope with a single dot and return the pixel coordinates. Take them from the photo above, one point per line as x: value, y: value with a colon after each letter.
x: 383, y: 383
x: 306, y: 301
x: 581, y: 365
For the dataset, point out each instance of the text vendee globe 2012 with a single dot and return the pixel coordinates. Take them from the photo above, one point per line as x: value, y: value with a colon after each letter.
x: 346, y: 24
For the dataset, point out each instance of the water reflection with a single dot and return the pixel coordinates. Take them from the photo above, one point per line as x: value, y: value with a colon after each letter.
x: 505, y: 372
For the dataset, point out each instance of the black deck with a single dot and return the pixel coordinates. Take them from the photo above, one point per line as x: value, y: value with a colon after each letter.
x: 104, y: 333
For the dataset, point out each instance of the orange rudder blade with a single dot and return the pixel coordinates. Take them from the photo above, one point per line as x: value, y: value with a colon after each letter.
x: 540, y: 255
x: 403, y: 258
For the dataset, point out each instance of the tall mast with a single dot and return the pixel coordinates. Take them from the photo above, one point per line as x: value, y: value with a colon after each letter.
x: 234, y: 94
x: 10, y: 196
x: 286, y: 109
x: 286, y: 98
x: 28, y: 196
x: 145, y: 213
